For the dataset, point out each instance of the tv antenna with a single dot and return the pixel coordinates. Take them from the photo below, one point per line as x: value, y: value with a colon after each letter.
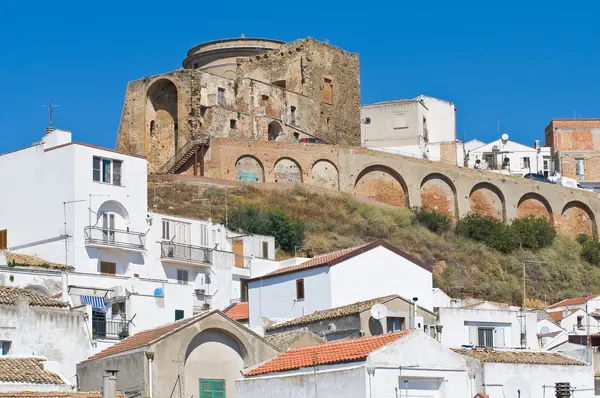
x: 498, y: 125
x: 50, y: 107
x: 379, y: 311
x: 516, y: 387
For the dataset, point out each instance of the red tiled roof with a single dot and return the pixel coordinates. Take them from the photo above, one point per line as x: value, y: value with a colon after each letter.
x: 556, y: 315
x: 572, y: 301
x: 333, y: 258
x: 238, y: 311
x: 327, y: 353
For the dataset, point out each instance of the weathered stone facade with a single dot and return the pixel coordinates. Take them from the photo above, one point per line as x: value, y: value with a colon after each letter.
x: 301, y: 89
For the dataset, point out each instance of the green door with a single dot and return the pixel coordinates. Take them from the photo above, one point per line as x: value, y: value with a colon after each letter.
x: 212, y: 388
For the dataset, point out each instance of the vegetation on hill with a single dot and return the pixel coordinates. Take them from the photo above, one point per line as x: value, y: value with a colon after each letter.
x: 331, y: 222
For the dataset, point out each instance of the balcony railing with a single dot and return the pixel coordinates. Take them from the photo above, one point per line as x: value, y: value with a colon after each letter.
x: 107, y: 237
x: 185, y: 253
x: 112, y: 329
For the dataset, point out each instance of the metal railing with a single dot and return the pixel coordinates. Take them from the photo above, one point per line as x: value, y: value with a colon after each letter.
x: 184, y: 252
x: 113, y: 329
x: 114, y: 238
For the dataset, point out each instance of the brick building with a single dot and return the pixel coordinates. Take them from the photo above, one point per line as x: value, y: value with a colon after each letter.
x: 575, y: 145
x: 245, y: 89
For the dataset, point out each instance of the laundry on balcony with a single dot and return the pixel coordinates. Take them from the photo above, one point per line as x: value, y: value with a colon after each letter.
x: 97, y: 302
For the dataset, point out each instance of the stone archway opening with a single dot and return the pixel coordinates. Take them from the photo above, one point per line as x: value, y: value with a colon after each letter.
x: 275, y: 131
x: 325, y: 174
x: 438, y: 193
x: 533, y: 204
x: 249, y: 169
x: 287, y: 170
x: 161, y: 122
x: 487, y: 200
x: 383, y: 184
x: 577, y: 218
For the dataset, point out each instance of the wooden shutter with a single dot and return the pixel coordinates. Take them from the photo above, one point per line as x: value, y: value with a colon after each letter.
x: 108, y: 268
x: 238, y: 251
x: 4, y: 239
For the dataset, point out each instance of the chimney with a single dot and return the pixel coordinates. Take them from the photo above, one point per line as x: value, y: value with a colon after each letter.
x: 563, y: 390
x: 109, y: 384
x: 49, y: 129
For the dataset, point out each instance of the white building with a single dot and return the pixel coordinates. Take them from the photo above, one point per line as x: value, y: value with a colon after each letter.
x: 401, y: 364
x: 423, y: 127
x: 509, y: 157
x: 337, y: 279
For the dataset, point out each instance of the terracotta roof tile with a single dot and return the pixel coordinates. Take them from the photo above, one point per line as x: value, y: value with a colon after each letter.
x: 331, y: 313
x: 52, y: 394
x: 238, y: 311
x: 333, y: 258
x: 26, y: 260
x: 26, y: 370
x: 526, y: 357
x: 8, y: 295
x: 327, y: 353
x: 145, y: 337
x: 572, y: 301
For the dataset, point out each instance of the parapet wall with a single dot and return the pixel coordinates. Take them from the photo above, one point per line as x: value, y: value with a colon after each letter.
x: 402, y: 181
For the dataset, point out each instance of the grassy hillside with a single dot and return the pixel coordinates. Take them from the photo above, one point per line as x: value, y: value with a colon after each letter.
x: 339, y: 221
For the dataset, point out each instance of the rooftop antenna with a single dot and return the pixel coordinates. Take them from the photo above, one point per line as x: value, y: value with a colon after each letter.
x: 498, y: 125
x: 50, y: 107
x: 575, y: 114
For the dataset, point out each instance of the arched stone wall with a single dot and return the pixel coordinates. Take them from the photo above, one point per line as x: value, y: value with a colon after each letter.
x: 382, y: 184
x: 161, y: 121
x: 577, y: 218
x: 275, y: 131
x: 439, y: 193
x: 533, y: 204
x: 249, y: 169
x: 487, y: 200
x: 287, y: 170
x: 325, y: 174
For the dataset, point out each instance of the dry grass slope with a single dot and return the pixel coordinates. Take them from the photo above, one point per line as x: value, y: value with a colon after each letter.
x: 340, y: 221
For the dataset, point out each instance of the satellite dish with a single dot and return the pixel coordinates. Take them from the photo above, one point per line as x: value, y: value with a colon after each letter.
x: 379, y: 311
x: 504, y: 137
x: 516, y: 387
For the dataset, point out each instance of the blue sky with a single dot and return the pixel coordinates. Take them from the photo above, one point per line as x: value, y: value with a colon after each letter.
x: 520, y: 64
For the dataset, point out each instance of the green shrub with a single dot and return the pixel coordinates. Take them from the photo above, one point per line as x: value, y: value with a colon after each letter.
x: 288, y: 232
x: 492, y: 232
x: 534, y: 232
x: 590, y: 249
x: 431, y: 219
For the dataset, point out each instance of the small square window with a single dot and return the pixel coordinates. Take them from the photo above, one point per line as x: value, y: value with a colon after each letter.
x: 108, y: 268
x: 232, y: 124
x: 394, y: 324
x: 300, y: 289
x: 5, y: 347
x: 182, y: 277
x: 179, y: 314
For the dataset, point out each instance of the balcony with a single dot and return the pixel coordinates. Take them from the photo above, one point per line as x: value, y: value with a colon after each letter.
x: 241, y: 270
x: 185, y: 254
x: 110, y: 329
x: 114, y: 238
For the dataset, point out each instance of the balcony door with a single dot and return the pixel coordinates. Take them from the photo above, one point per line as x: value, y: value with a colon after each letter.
x: 179, y: 234
x: 108, y: 227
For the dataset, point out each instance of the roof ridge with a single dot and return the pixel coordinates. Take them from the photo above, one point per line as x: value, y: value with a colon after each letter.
x: 353, y: 339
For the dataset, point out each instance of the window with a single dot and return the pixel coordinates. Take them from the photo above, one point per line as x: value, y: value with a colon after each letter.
x: 264, y: 98
x: 232, y: 123
x: 108, y: 268
x: 546, y: 168
x: 265, y: 249
x: 579, y: 321
x: 485, y: 337
x: 327, y: 90
x: 4, y: 239
x: 108, y: 171
x: 118, y: 310
x: 182, y: 277
x: 179, y: 314
x: 5, y: 347
x: 204, y: 235
x: 177, y: 231
x: 580, y: 167
x: 425, y: 130
x: 243, y: 290
x: 108, y: 227
x: 221, y: 96
x: 525, y: 163
x: 238, y: 252
x: 212, y: 388
x: 300, y: 289
x: 293, y: 115
x: 394, y: 324
x: 165, y: 230
x: 400, y: 121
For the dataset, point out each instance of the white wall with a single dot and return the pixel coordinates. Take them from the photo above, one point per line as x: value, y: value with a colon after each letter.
x: 458, y: 322
x: 515, y: 152
x: 441, y: 119
x: 275, y: 297
x: 569, y: 323
x: 376, y: 273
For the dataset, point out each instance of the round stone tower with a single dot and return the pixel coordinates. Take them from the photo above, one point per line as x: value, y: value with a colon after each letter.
x: 219, y: 56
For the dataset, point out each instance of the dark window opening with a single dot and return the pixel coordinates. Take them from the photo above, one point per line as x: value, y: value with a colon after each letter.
x: 485, y: 337
x: 425, y: 131
x: 5, y: 347
x: 293, y: 114
x: 178, y: 315
x: 265, y: 249
x: 243, y: 290
x: 300, y: 289
x: 264, y: 98
x: 279, y: 83
x: 221, y: 96
x: 232, y: 123
x: 182, y: 277
x: 152, y: 128
x: 203, y: 110
x: 108, y: 268
x: 394, y: 324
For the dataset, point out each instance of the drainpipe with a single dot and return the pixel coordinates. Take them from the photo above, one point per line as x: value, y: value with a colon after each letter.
x: 109, y: 384
x: 150, y: 356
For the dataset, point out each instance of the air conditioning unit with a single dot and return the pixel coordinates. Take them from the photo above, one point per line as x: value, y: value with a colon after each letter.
x: 199, y: 292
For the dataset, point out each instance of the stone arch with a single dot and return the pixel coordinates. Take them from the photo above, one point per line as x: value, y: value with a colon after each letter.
x: 325, y: 174
x: 275, y: 131
x: 577, y: 218
x: 162, y: 121
x: 439, y: 193
x: 287, y: 170
x: 383, y: 184
x: 39, y: 290
x: 534, y: 204
x: 229, y: 74
x: 487, y: 200
x: 214, y: 354
x: 249, y: 169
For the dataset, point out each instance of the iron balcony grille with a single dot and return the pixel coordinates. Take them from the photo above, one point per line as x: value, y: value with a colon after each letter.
x: 115, y: 238
x: 184, y: 252
x: 112, y: 329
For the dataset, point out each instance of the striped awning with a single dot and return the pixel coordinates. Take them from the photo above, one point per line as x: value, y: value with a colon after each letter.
x: 97, y: 302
